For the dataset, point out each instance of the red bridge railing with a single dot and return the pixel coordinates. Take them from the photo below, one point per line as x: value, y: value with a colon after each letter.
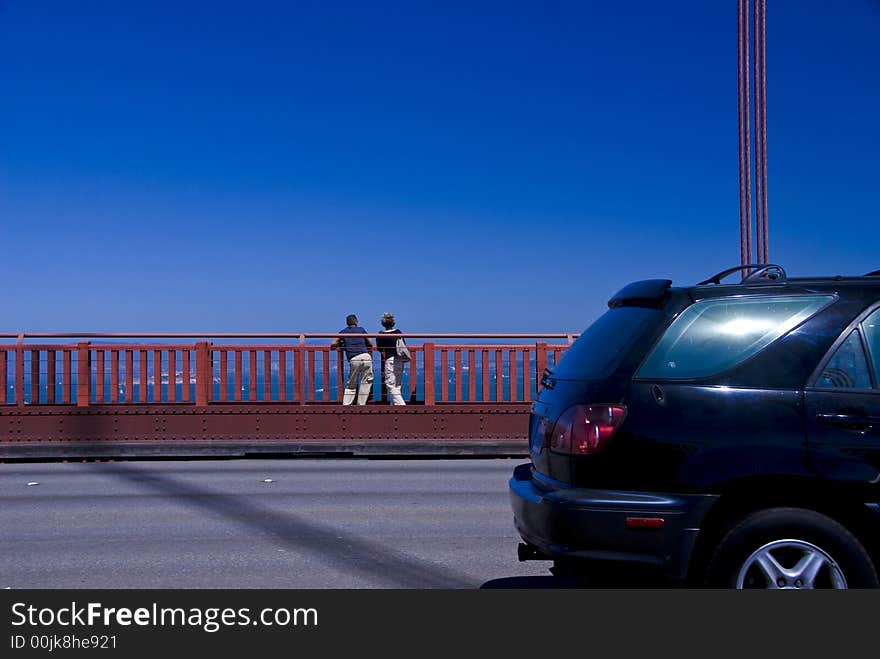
x: 86, y: 370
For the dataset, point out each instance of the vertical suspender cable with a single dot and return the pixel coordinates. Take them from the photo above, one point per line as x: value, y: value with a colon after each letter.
x: 759, y: 223
x: 748, y: 148
x: 740, y: 99
x: 747, y: 104
x: 764, y: 125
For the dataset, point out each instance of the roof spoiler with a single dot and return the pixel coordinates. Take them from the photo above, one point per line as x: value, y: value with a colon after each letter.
x: 645, y: 293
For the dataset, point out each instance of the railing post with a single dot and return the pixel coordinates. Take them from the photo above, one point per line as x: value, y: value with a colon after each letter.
x: 540, y: 362
x: 83, y: 374
x: 428, y: 348
x: 19, y: 371
x: 299, y: 371
x: 3, y: 392
x: 50, y: 376
x: 299, y: 375
x: 384, y: 395
x: 203, y: 375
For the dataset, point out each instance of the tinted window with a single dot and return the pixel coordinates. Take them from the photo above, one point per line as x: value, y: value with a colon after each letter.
x: 848, y: 367
x: 598, y: 351
x: 712, y: 336
x: 871, y: 325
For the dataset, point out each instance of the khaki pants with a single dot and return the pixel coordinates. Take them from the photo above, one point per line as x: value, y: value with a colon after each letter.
x: 360, y: 379
x: 393, y: 373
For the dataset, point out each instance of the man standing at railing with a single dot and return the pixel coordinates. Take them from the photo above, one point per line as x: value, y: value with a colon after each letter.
x: 360, y: 363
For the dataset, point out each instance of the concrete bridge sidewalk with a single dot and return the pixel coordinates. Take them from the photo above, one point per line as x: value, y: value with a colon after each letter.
x: 341, y: 447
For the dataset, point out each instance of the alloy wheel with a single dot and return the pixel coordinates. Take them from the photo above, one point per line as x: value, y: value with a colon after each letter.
x: 790, y: 564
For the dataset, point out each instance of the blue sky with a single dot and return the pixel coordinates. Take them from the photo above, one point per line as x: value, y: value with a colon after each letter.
x: 472, y: 167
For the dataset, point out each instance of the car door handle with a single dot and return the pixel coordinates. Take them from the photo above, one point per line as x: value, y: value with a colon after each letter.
x: 854, y: 422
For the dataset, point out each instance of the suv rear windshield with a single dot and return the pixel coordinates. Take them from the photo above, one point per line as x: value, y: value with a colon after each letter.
x: 715, y: 335
x: 600, y: 348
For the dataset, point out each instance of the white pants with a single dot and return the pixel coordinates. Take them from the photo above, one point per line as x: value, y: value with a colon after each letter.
x: 360, y: 379
x: 393, y: 373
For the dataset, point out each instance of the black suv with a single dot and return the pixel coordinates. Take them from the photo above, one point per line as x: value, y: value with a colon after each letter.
x: 728, y: 435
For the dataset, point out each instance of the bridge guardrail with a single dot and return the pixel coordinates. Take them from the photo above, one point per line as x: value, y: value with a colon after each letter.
x: 446, y: 368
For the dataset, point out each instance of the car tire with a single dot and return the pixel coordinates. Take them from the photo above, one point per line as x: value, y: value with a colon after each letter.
x: 790, y: 548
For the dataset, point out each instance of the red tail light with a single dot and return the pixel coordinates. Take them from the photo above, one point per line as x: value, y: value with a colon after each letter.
x: 585, y: 429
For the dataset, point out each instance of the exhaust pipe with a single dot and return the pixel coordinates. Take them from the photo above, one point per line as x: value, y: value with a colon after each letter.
x: 525, y: 552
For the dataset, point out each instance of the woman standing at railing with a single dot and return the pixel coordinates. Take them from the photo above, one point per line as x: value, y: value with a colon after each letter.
x: 393, y: 369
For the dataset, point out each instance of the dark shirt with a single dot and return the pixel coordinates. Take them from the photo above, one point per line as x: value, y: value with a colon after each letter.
x: 388, y: 345
x: 354, y: 345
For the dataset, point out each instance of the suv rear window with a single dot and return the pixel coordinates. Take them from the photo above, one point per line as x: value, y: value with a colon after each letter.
x: 600, y: 348
x: 871, y: 326
x: 715, y: 335
x: 848, y: 367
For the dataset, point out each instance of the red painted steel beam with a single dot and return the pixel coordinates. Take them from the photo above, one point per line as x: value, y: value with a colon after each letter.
x: 67, y: 378
x: 99, y: 375
x: 3, y: 376
x: 84, y: 374
x: 224, y: 376
x: 203, y: 379
x: 430, y: 393
x: 238, y: 375
x: 172, y: 375
x: 300, y: 337
x: 50, y: 377
x: 540, y: 362
x: 114, y: 376
x: 252, y: 375
x: 129, y: 376
x: 254, y: 423
x: 144, y: 370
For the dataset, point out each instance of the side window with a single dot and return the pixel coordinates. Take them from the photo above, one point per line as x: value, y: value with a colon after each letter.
x: 871, y: 325
x: 712, y: 336
x: 848, y: 367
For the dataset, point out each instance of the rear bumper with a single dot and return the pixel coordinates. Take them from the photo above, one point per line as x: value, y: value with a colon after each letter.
x: 567, y: 522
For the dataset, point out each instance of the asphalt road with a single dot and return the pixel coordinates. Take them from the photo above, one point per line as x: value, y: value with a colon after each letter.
x: 271, y: 523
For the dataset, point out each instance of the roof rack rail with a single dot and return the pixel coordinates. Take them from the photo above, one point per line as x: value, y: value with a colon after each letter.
x: 762, y: 272
x: 876, y: 273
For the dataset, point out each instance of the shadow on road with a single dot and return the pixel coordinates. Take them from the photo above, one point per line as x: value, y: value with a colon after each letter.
x: 620, y: 580
x: 330, y: 544
x: 534, y: 582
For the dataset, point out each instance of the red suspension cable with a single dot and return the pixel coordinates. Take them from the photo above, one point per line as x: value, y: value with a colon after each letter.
x: 764, y: 125
x: 759, y: 222
x: 740, y: 99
